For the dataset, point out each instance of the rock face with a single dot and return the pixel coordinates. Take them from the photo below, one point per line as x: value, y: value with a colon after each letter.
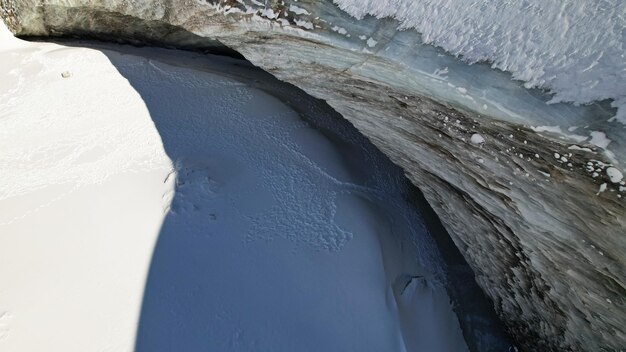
x: 532, y: 209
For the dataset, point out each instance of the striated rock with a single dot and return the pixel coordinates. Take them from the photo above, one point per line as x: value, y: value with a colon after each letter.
x: 537, y: 207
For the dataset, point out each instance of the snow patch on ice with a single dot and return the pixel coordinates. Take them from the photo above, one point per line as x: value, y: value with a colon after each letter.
x: 614, y: 174
x: 298, y: 10
x: 304, y: 24
x: 257, y: 214
x: 477, y: 139
x: 559, y: 131
x: 575, y: 147
x: 552, y: 129
x: 599, y: 138
x: 339, y: 30
x: 601, y: 189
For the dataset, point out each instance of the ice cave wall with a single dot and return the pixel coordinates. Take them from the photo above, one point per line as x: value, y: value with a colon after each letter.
x: 531, y: 193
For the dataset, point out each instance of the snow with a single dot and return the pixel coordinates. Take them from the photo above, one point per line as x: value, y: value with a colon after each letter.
x: 575, y: 147
x: 157, y: 201
x: 599, y: 139
x: 298, y: 10
x: 614, y: 174
x: 339, y: 30
x: 477, y: 139
x: 551, y: 129
x: 575, y: 49
x: 269, y: 13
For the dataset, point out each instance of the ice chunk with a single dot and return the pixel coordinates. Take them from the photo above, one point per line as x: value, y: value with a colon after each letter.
x: 614, y: 174
x: 477, y: 139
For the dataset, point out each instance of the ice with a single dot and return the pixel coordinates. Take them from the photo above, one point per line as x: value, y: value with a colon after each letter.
x: 584, y: 64
x: 298, y: 10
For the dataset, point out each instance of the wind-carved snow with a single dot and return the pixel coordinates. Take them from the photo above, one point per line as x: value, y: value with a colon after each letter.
x: 576, y: 49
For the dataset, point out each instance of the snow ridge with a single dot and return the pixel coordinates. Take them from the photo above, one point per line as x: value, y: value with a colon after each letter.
x: 576, y: 49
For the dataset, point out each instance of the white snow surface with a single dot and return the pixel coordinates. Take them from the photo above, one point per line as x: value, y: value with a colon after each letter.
x: 150, y: 203
x: 477, y: 139
x: 576, y: 49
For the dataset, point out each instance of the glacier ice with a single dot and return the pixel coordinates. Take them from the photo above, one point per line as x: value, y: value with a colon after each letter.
x: 576, y: 49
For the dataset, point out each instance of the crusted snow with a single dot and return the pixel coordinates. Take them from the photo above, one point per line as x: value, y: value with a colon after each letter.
x: 576, y: 49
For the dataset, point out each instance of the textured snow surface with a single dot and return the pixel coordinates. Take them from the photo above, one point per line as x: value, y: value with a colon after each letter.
x: 576, y: 49
x: 149, y: 203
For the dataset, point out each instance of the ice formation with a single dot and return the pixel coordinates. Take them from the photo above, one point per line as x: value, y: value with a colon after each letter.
x: 576, y: 49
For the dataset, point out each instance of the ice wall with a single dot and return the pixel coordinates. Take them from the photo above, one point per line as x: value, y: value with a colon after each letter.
x: 576, y: 49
